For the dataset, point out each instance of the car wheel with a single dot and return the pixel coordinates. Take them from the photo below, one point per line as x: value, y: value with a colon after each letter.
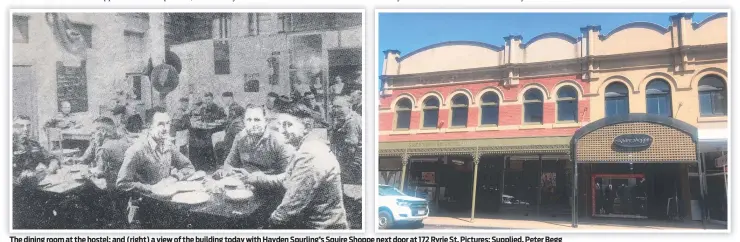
x: 385, y: 220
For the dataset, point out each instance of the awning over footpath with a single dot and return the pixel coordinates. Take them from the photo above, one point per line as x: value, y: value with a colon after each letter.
x: 713, y: 139
x: 521, y: 145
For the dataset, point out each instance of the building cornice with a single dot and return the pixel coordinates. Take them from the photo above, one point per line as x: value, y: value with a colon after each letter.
x: 505, y: 73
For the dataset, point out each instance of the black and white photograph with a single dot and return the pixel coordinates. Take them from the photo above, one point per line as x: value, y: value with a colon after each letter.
x: 187, y: 120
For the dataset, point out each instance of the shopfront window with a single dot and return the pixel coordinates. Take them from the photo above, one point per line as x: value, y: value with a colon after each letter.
x: 460, y: 110
x: 658, y: 98
x: 489, y: 109
x: 616, y: 100
x: 431, y: 112
x: 567, y: 104
x: 712, y: 96
x: 403, y: 113
x: 533, y: 106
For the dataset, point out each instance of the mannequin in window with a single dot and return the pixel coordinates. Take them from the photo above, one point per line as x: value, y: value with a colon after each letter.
x: 639, y: 197
x: 610, y: 194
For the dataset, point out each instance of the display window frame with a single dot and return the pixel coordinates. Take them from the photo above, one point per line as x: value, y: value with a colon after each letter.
x: 610, y: 176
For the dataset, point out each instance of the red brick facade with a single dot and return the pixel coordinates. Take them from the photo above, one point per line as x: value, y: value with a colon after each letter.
x: 510, y: 113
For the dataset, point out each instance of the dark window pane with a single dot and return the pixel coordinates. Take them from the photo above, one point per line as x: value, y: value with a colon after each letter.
x: 659, y: 105
x: 459, y: 116
x: 403, y: 103
x: 460, y: 99
x: 533, y: 95
x: 705, y: 102
x: 489, y: 97
x: 719, y: 102
x: 567, y: 110
x: 658, y: 86
x: 20, y: 29
x: 533, y: 112
x: 616, y: 89
x: 567, y: 92
x: 86, y: 32
x: 616, y: 106
x: 430, y: 118
x: 489, y: 115
x: 431, y: 102
x: 403, y: 121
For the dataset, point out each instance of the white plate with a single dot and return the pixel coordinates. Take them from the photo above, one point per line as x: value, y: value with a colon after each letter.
x: 47, y: 181
x: 163, y: 191
x: 238, y: 195
x: 191, y: 198
x: 189, y: 186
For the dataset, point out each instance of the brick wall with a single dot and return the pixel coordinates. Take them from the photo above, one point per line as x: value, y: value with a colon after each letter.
x: 510, y: 112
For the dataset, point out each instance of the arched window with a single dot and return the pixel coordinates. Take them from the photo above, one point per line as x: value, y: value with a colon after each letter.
x: 403, y: 113
x: 712, y: 96
x: 431, y: 112
x: 658, y: 98
x: 616, y: 100
x: 489, y: 109
x: 533, y: 101
x: 460, y: 110
x: 567, y: 104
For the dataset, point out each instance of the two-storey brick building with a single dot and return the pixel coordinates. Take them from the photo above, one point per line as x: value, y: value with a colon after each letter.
x: 468, y: 121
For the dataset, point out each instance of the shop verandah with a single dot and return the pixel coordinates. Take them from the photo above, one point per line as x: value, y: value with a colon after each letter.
x: 526, y: 176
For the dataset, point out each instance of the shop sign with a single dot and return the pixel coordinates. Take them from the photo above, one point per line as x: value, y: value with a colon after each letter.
x: 633, y: 140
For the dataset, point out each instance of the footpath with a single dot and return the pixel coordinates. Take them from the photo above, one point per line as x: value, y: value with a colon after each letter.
x: 545, y: 223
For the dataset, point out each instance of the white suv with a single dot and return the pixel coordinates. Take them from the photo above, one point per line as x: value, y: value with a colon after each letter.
x: 394, y: 207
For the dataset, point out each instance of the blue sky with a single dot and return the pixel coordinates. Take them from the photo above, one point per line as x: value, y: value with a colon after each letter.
x: 407, y: 32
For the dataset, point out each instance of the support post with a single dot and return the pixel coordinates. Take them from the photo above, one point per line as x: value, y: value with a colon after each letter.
x: 476, y: 161
x: 703, y: 189
x: 574, y: 209
x: 404, y: 162
x: 539, y: 187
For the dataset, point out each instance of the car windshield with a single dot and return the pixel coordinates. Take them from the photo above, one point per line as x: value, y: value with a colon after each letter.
x: 388, y: 191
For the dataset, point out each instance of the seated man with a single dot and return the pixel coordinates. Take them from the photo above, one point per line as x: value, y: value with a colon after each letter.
x: 152, y: 157
x: 256, y: 148
x: 30, y: 161
x: 110, y: 154
x: 105, y: 128
x: 107, y: 162
x: 65, y: 119
x: 347, y: 140
x: 313, y: 197
x: 210, y: 111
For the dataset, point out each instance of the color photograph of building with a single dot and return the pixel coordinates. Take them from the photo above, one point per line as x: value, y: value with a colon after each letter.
x: 618, y: 115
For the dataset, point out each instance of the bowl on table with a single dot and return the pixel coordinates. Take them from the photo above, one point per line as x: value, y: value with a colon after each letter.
x: 231, y: 183
x: 238, y: 195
